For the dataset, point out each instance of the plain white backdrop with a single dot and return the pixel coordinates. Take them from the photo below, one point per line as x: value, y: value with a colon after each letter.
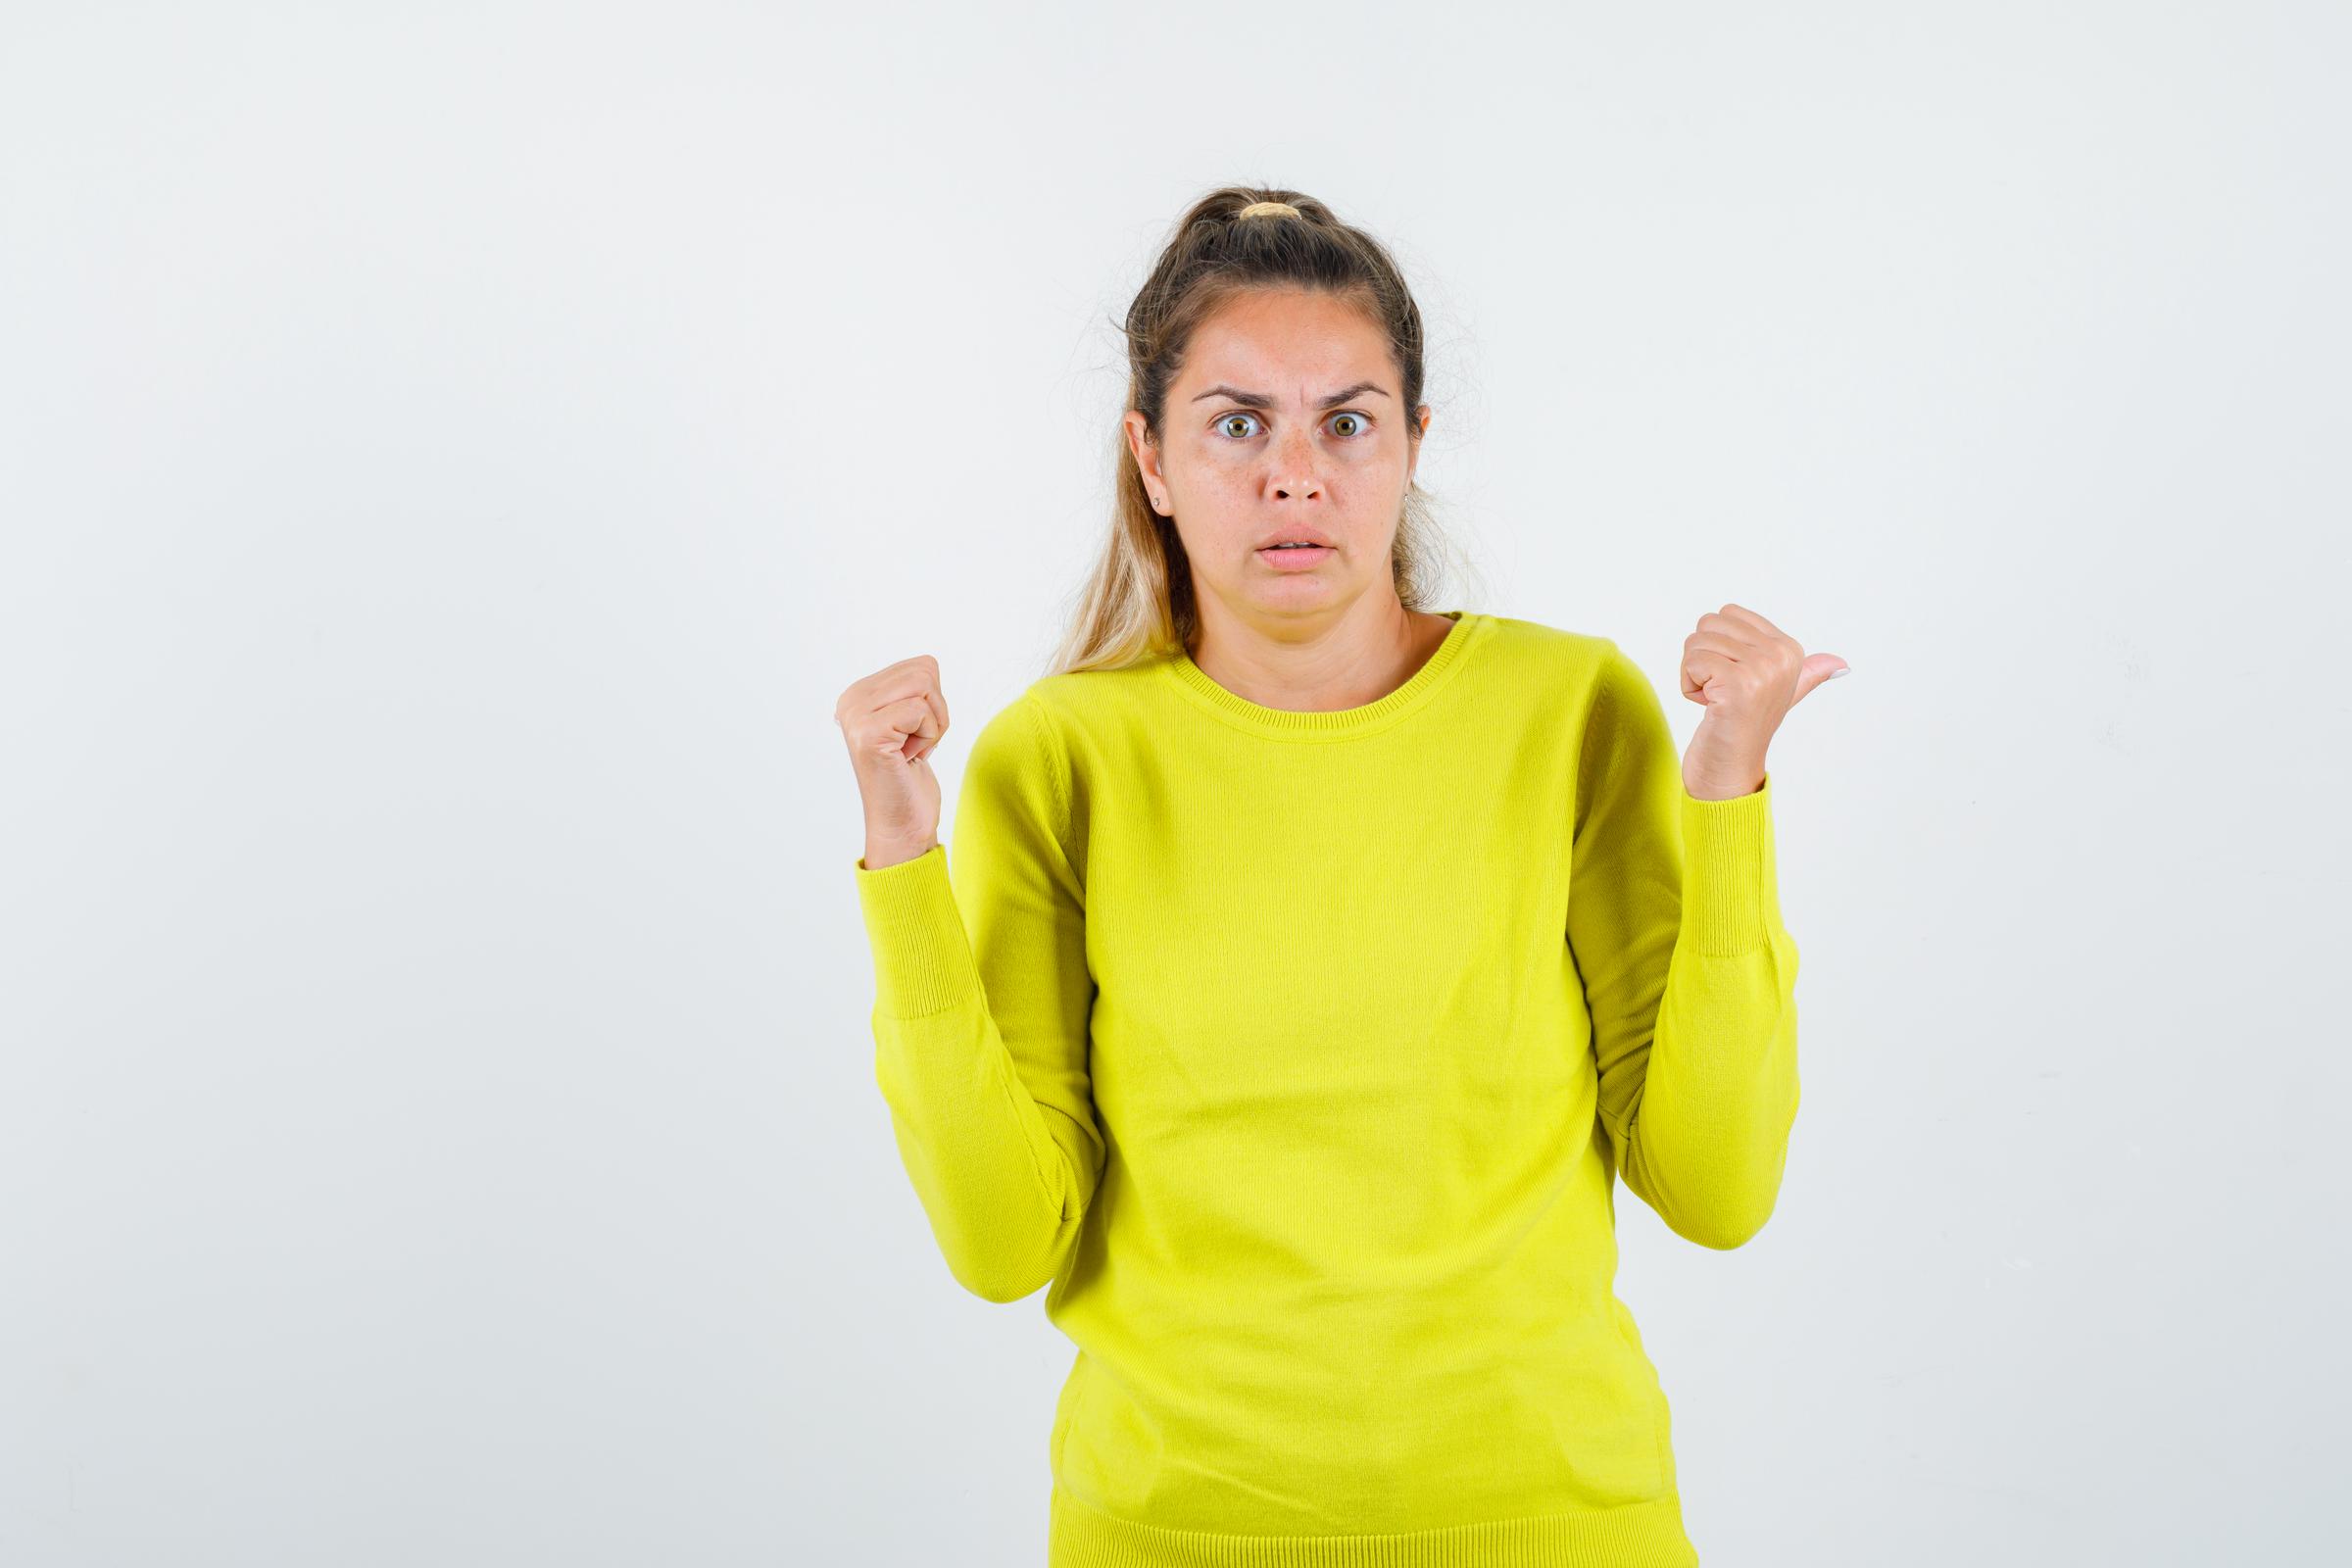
x: 452, y: 457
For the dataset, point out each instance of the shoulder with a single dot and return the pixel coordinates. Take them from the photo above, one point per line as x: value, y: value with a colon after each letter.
x: 1059, y: 727
x: 1598, y: 698
x: 1019, y: 736
x: 1083, y: 710
x: 1581, y: 661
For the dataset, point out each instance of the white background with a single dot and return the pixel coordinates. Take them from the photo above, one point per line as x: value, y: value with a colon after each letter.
x: 452, y: 458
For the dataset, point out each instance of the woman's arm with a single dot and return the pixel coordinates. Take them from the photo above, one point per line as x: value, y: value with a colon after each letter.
x: 981, y: 1017
x: 1689, y: 975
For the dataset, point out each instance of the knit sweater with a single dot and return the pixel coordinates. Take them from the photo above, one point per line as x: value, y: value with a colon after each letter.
x: 1299, y: 1053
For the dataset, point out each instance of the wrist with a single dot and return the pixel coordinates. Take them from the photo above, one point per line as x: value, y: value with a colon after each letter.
x: 1723, y: 785
x: 883, y: 852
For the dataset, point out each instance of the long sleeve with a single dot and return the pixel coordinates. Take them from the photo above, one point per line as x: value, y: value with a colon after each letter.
x: 981, y: 1015
x: 1689, y: 975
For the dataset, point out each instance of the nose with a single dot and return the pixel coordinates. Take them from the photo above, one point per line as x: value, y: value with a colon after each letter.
x: 1294, y: 474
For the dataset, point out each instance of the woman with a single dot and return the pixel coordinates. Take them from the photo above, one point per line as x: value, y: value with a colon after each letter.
x: 1311, y: 964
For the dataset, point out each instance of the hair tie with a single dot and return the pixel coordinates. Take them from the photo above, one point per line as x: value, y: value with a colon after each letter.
x: 1269, y: 210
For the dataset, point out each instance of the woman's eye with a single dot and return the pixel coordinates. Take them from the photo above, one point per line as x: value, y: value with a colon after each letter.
x: 1351, y: 426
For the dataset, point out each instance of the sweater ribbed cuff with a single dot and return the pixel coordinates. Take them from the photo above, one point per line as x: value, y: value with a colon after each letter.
x: 922, y: 953
x: 1730, y: 890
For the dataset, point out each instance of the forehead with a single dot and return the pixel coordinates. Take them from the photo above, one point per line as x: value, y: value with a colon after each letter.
x: 1287, y: 342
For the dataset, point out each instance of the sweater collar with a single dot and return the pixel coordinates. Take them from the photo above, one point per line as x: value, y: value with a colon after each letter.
x: 1283, y: 723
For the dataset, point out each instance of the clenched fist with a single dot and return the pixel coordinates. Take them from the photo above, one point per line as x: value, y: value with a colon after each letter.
x: 893, y: 720
x: 1748, y: 673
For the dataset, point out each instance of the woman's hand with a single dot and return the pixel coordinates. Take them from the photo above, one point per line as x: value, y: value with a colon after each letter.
x: 893, y: 720
x: 1748, y: 673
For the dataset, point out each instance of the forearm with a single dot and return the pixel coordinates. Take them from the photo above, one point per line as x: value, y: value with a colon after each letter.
x: 999, y: 1175
x: 1708, y: 1136
x: 1709, y: 1132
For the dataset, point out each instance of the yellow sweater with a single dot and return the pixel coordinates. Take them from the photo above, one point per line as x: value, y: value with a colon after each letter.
x: 1298, y: 1053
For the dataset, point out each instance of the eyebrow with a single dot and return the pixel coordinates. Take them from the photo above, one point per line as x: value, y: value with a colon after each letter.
x: 1259, y: 400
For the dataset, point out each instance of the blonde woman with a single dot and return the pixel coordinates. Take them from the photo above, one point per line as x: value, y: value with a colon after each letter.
x: 1312, y: 963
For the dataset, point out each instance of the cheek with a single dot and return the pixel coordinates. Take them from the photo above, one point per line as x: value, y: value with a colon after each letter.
x: 1211, y: 479
x: 1209, y: 461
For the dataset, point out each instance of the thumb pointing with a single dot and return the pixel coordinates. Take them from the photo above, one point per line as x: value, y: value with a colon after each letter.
x: 1817, y: 668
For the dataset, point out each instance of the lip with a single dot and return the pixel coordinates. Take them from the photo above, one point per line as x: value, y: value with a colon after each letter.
x: 1300, y: 533
x: 1296, y: 559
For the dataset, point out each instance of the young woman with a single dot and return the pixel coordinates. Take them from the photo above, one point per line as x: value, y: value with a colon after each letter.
x: 1311, y: 965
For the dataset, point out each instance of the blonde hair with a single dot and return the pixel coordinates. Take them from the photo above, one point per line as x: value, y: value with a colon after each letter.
x: 1137, y: 604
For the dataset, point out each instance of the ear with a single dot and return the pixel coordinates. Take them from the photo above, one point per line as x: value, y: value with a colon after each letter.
x: 1138, y: 443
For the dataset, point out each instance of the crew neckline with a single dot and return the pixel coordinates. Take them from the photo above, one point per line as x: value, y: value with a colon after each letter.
x: 1339, y: 722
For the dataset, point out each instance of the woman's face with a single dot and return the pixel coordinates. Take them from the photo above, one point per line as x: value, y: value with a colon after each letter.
x: 1285, y: 422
